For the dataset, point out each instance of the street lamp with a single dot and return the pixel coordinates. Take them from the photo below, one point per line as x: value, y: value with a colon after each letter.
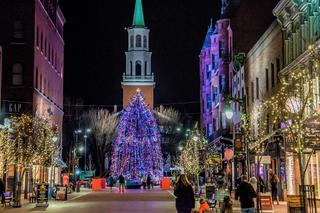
x: 229, y: 113
x: 88, y: 131
x: 81, y: 149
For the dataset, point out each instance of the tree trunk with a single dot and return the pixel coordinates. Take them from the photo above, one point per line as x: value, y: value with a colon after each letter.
x: 304, y: 197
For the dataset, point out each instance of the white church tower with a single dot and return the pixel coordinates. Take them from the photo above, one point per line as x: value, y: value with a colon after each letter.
x: 138, y: 73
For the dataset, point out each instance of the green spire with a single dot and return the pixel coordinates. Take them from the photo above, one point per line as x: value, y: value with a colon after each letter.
x: 138, y: 19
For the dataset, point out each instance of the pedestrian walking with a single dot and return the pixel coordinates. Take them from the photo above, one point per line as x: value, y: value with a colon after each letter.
x: 149, y: 182
x: 274, y: 180
x: 121, y: 183
x: 246, y: 193
x: 226, y: 205
x: 144, y: 182
x: 183, y: 191
x: 110, y: 183
x: 254, y: 183
x: 262, y: 185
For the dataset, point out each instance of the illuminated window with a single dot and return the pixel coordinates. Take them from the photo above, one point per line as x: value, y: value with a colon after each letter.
x: 17, y: 72
x: 138, y: 41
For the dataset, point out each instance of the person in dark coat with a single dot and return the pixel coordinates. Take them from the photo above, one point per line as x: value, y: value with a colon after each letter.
x: 262, y: 185
x: 110, y: 183
x: 183, y: 191
x: 246, y: 193
x: 122, y: 182
x: 149, y: 182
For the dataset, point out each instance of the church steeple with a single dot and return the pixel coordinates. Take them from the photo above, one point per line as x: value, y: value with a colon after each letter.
x: 138, y: 18
x: 138, y: 73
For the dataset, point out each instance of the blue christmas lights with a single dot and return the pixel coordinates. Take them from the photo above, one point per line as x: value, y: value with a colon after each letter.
x: 137, y: 148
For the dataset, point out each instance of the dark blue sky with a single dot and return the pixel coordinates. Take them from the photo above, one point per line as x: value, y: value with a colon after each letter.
x: 95, y: 42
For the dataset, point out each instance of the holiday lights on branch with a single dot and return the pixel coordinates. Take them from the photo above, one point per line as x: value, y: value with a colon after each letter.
x: 28, y: 141
x: 289, y: 108
x: 137, y: 147
x: 191, y: 154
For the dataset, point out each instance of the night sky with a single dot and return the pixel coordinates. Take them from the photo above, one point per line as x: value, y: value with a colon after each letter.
x: 95, y: 42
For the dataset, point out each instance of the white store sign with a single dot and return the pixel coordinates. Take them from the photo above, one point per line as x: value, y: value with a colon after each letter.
x: 264, y: 159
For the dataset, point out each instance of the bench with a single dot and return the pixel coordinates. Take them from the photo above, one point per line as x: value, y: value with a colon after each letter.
x: 7, y: 198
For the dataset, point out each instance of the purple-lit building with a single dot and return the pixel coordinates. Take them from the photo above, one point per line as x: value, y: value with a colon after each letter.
x: 215, y: 74
x: 33, y: 59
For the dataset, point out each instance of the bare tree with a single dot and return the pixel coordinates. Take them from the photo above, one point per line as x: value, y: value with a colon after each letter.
x: 167, y: 116
x: 170, y: 127
x: 104, y: 129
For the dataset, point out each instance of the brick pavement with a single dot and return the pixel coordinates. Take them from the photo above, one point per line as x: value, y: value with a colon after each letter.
x: 133, y: 201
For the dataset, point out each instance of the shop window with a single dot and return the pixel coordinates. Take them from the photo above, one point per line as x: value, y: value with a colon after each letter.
x: 17, y: 74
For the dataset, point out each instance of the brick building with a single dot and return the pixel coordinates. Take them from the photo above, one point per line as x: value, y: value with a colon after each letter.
x: 32, y: 77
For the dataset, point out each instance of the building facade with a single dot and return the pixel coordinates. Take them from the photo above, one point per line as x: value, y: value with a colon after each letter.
x: 138, y: 74
x: 216, y: 78
x: 300, y: 23
x: 262, y: 67
x: 33, y: 61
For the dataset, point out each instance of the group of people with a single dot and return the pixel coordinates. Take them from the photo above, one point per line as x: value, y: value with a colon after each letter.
x: 185, y: 198
x: 247, y: 191
x: 146, y: 182
x: 111, y: 182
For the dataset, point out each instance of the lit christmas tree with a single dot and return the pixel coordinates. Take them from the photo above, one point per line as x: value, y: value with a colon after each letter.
x: 137, y: 148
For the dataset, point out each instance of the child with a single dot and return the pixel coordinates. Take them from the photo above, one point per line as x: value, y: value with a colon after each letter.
x: 203, y: 206
x: 226, y: 205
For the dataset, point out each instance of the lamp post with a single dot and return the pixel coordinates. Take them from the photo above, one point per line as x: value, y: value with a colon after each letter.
x: 85, y: 148
x: 229, y: 114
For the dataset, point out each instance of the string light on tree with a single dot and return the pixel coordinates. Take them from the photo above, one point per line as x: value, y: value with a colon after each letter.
x: 137, y: 148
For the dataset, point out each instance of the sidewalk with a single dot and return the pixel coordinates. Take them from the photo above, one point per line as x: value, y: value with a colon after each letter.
x: 281, y: 208
x: 25, y: 205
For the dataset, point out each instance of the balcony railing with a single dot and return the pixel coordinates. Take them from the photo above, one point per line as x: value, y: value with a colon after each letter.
x: 140, y: 78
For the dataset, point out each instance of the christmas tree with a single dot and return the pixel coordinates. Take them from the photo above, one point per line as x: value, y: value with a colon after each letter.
x: 137, y: 148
